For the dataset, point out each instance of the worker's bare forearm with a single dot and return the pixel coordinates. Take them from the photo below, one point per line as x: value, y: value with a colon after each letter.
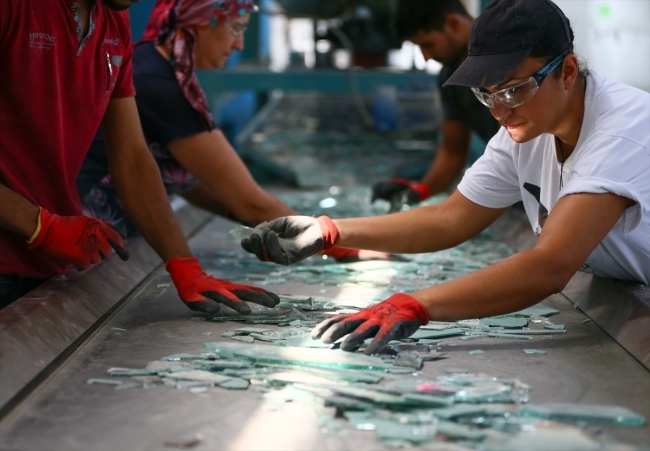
x: 140, y: 188
x: 250, y: 211
x: 424, y: 229
x: 444, y: 170
x: 17, y: 214
x: 511, y: 285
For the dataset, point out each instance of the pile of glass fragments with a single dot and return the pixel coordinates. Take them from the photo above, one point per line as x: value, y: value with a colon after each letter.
x: 273, y: 356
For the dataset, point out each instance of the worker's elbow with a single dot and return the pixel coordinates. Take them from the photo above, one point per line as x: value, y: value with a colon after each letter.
x: 556, y: 278
x: 555, y: 272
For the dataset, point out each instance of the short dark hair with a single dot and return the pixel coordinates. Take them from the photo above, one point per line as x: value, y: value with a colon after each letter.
x: 547, y: 54
x: 414, y: 16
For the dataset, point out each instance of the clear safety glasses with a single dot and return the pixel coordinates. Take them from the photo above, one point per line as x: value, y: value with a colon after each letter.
x: 521, y: 93
x: 235, y: 27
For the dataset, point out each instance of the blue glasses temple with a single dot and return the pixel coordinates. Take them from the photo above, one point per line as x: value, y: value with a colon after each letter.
x: 550, y: 67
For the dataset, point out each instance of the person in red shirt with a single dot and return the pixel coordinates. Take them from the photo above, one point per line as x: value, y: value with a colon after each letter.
x: 68, y: 70
x: 195, y: 159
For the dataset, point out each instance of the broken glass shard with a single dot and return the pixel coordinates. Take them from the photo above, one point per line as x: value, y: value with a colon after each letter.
x: 235, y: 384
x: 429, y: 333
x: 513, y: 336
x: 243, y: 338
x: 506, y: 322
x: 104, y: 381
x: 408, y: 359
x: 534, y: 351
x: 566, y: 411
x: 242, y: 232
x: 199, y: 376
x: 297, y: 356
x: 537, y: 309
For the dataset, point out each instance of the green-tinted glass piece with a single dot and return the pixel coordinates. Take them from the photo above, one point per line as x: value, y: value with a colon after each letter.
x: 427, y: 400
x: 533, y: 332
x: 244, y: 232
x: 554, y: 326
x: 303, y: 343
x: 222, y: 364
x: 295, y: 377
x: 429, y: 333
x: 534, y: 351
x: 455, y: 430
x: 179, y: 357
x: 545, y: 437
x: 128, y: 372
x: 298, y: 356
x: 476, y: 352
x: 104, y: 381
x: 243, y: 338
x: 348, y: 404
x: 409, y: 360
x: 413, y: 433
x: 369, y: 377
x: 459, y: 410
x: 537, y: 309
x: 513, y: 336
x: 566, y: 411
x: 507, y: 322
x: 251, y: 330
x: 235, y: 383
x: 375, y: 396
x: 198, y: 375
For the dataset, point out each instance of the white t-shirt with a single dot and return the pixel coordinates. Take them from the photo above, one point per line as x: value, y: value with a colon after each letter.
x: 612, y: 155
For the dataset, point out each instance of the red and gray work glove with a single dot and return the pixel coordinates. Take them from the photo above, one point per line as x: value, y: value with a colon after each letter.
x: 291, y: 239
x: 203, y: 293
x: 413, y: 193
x: 78, y: 240
x: 397, y: 317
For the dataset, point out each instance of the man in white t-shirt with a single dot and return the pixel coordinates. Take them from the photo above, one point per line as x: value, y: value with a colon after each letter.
x: 574, y: 147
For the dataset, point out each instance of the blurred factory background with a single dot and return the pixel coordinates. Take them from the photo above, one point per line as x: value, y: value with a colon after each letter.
x: 346, y: 48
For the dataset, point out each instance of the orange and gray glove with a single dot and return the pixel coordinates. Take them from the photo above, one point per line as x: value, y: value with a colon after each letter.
x: 291, y: 239
x: 413, y: 193
x: 203, y: 293
x: 79, y: 240
x: 397, y: 317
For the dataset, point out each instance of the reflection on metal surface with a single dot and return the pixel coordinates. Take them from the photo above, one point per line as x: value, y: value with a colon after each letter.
x: 622, y: 309
x: 38, y: 328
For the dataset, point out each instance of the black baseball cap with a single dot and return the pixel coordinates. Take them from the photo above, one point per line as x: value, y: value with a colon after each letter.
x: 503, y: 36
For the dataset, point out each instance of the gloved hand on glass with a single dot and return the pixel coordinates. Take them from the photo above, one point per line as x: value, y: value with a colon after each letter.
x: 203, y: 293
x: 291, y: 239
x: 390, y: 190
x: 397, y: 317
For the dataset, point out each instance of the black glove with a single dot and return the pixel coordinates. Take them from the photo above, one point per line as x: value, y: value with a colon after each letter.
x: 411, y: 193
x: 291, y: 239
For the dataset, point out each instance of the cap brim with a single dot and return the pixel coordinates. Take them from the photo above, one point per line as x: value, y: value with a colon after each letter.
x: 487, y: 70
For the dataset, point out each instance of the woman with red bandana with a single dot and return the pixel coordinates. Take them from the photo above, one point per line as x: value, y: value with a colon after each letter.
x: 194, y: 157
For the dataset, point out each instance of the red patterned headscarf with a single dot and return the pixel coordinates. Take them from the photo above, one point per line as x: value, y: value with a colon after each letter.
x: 171, y: 25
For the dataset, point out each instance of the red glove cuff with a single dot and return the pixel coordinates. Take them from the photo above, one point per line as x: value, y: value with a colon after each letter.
x: 185, y: 268
x: 420, y: 188
x: 338, y: 253
x: 330, y: 232
x: 44, y: 221
x: 408, y: 303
